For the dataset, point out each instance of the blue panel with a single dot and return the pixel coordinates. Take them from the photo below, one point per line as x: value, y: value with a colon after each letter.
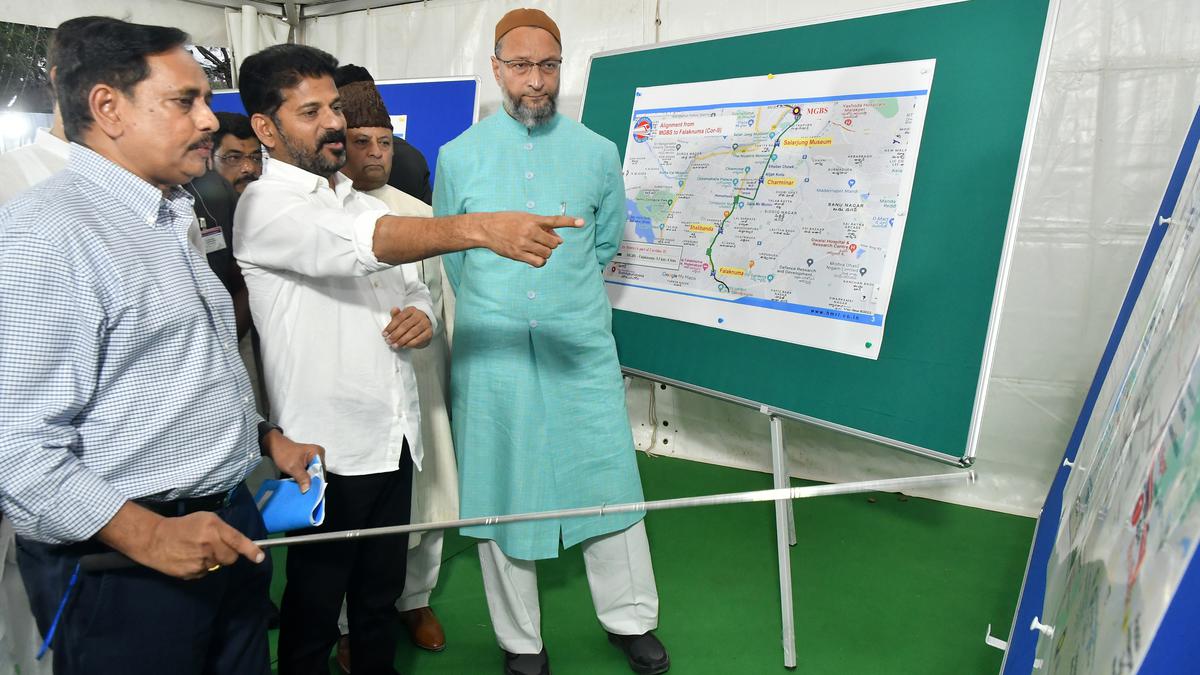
x: 227, y: 100
x: 437, y: 110
x: 1175, y: 642
x: 1022, y: 641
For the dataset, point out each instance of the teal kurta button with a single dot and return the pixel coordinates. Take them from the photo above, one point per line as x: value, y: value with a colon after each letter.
x: 533, y: 323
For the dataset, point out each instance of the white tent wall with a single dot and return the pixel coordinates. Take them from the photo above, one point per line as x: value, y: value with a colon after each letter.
x: 1122, y: 85
x: 205, y: 24
x: 455, y: 37
x: 250, y: 32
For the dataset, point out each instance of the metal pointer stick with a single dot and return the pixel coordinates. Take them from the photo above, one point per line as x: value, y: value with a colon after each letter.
x: 108, y: 561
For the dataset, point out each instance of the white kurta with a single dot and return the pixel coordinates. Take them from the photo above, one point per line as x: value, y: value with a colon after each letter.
x: 27, y: 165
x: 435, y: 486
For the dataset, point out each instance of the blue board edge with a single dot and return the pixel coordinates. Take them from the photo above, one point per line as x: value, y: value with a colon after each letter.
x: 1022, y: 641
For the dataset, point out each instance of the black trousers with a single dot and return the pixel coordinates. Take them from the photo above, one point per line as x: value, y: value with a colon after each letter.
x: 368, y: 573
x: 137, y: 620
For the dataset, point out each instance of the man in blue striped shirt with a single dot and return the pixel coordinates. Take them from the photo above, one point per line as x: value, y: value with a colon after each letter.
x: 127, y: 420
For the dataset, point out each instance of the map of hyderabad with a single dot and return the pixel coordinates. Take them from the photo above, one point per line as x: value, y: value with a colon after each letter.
x: 772, y: 206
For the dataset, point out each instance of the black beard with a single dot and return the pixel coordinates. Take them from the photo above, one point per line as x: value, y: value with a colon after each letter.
x: 313, y: 161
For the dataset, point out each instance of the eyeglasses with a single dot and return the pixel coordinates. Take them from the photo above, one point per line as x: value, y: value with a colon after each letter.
x: 235, y: 159
x: 521, y: 66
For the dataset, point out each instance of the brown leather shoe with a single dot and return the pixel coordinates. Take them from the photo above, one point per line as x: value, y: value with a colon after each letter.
x: 343, y: 654
x: 424, y: 629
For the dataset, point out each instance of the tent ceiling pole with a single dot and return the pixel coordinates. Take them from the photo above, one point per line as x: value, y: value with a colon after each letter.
x: 319, y: 8
x: 265, y: 8
x: 293, y: 14
x: 309, y: 9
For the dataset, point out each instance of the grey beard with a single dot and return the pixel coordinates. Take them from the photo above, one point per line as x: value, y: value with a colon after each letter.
x: 527, y: 116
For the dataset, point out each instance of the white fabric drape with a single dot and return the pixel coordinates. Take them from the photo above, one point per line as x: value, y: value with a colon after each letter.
x: 202, y: 22
x: 1123, y: 83
x: 455, y: 37
x: 247, y: 32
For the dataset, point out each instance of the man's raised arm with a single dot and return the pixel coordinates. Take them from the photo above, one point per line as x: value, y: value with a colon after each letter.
x: 524, y: 237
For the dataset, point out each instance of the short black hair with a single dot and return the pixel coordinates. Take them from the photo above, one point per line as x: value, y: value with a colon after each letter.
x: 93, y: 50
x: 69, y: 32
x: 266, y: 74
x: 233, y: 123
x: 351, y: 73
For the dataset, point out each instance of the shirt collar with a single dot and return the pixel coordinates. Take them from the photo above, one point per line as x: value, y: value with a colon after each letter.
x: 144, y: 199
x: 511, y: 124
x: 277, y: 169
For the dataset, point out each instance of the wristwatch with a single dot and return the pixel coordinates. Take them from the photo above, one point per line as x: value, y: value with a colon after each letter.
x: 264, y: 428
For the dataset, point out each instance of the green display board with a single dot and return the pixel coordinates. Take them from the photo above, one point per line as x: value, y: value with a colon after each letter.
x: 921, y: 392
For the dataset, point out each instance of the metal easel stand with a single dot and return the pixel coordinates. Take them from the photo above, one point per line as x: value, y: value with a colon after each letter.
x: 785, y: 537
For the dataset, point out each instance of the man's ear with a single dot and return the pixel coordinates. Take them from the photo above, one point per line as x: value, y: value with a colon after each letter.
x: 106, y: 105
x: 496, y: 65
x: 264, y: 127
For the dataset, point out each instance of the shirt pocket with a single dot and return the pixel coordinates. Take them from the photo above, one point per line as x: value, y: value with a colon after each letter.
x: 581, y: 201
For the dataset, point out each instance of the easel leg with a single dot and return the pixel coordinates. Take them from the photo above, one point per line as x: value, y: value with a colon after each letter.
x: 785, y: 534
x: 781, y: 464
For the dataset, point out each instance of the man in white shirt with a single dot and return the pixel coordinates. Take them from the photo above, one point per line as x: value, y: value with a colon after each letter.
x: 317, y: 257
x: 30, y: 164
x: 369, y: 146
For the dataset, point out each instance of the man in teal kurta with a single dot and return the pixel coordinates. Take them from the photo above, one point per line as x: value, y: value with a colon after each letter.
x: 539, y: 405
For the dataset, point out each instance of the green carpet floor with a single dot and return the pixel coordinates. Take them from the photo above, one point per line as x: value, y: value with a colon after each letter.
x: 882, y: 583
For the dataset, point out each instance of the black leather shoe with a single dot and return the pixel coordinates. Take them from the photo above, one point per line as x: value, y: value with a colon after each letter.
x: 646, y: 654
x: 527, y: 664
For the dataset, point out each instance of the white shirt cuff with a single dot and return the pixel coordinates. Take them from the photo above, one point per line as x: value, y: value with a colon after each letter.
x: 364, y: 239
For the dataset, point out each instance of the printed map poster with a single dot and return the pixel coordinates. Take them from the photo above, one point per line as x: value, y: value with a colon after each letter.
x: 772, y: 206
x: 1131, y: 507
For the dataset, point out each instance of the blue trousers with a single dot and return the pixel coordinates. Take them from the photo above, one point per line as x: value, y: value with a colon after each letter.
x: 137, y: 620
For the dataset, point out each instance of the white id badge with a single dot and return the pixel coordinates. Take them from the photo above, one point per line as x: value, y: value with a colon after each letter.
x: 212, y: 237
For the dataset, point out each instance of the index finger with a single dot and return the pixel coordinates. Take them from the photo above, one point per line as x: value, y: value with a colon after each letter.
x: 554, y: 222
x: 240, y: 543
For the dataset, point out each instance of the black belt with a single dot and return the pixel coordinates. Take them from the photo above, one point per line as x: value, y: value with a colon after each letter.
x: 182, y: 507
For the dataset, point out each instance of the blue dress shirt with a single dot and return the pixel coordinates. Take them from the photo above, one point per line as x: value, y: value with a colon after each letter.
x: 119, y: 370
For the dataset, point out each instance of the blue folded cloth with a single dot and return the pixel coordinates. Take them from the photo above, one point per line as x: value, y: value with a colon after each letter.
x: 284, y: 507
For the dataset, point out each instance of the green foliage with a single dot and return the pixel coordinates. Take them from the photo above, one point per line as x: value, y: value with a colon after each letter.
x: 24, y: 76
x: 217, y: 63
